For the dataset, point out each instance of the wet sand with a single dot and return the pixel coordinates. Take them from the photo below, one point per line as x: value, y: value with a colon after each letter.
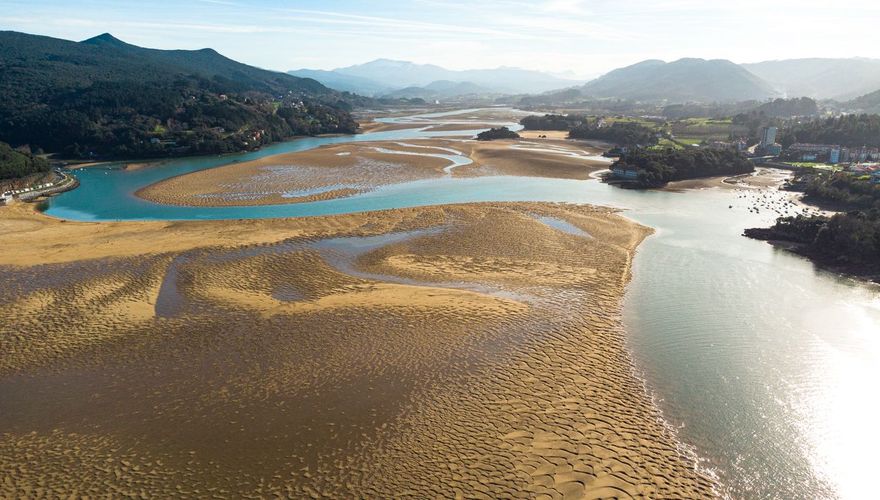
x: 343, y: 170
x: 318, y: 174
x: 373, y: 126
x: 761, y: 178
x: 535, y: 158
x: 463, y: 350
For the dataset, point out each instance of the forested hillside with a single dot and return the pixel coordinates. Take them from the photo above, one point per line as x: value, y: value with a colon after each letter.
x: 846, y: 130
x: 15, y: 164
x: 105, y: 98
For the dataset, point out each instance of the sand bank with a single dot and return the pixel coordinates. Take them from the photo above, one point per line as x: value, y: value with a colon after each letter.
x: 761, y: 178
x: 343, y: 170
x: 543, y: 158
x: 463, y: 350
x: 318, y: 174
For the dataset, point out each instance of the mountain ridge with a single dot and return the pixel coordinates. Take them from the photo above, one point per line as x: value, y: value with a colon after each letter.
x: 103, y: 97
x: 682, y: 80
x: 821, y: 78
x: 383, y: 76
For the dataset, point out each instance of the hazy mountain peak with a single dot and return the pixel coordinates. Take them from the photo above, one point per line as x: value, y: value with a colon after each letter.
x: 821, y: 78
x: 105, y: 39
x: 683, y: 80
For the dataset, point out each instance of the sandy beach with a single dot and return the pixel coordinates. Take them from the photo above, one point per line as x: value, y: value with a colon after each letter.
x: 343, y: 170
x: 761, y: 178
x: 447, y: 351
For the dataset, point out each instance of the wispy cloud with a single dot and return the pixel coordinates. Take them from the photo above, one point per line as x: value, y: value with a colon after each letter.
x: 587, y: 36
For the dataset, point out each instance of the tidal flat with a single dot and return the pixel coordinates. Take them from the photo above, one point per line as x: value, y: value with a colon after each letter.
x: 452, y: 350
x: 342, y: 170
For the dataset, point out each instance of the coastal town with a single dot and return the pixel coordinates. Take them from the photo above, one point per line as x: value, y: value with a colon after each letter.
x: 857, y: 161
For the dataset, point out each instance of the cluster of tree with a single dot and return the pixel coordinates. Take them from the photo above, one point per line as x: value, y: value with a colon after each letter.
x: 787, y: 108
x: 628, y: 134
x: 108, y: 99
x: 497, y: 133
x: 14, y: 164
x: 656, y: 167
x: 846, y: 130
x: 847, y: 240
x: 745, y: 111
x: 840, y: 189
x: 553, y: 122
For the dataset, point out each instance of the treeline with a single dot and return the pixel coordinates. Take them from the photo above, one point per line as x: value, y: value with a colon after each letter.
x: 657, y: 167
x: 744, y: 111
x: 850, y: 241
x: 184, y: 116
x: 846, y: 130
x: 627, y: 134
x: 584, y: 127
x: 14, y: 164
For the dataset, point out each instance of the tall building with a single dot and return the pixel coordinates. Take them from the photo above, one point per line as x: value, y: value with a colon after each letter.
x: 834, y: 156
x: 768, y: 136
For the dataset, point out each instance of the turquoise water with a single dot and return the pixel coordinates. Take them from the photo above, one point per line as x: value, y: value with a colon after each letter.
x: 763, y: 363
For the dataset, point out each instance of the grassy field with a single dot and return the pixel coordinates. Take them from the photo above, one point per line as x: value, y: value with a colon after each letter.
x: 696, y: 130
x: 666, y: 143
x: 634, y: 119
x: 690, y: 141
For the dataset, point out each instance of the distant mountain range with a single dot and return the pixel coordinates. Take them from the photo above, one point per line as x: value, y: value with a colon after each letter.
x: 839, y: 79
x: 708, y: 81
x: 385, y: 77
x: 442, y: 89
x: 105, y: 97
x: 684, y: 80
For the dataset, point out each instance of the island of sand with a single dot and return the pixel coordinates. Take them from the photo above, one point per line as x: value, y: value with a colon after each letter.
x: 341, y: 170
x: 449, y: 351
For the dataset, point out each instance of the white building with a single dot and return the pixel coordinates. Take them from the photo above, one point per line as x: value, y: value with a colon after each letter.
x: 768, y: 136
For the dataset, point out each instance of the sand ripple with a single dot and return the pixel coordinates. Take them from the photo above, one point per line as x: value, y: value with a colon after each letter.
x: 482, y: 355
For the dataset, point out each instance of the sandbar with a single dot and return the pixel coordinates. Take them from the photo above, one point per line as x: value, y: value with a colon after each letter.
x: 449, y: 351
x: 337, y: 171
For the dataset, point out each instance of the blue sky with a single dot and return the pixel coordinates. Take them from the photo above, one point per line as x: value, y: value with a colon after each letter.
x: 584, y: 37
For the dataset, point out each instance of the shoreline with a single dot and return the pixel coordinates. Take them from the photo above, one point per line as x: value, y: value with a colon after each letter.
x: 545, y: 394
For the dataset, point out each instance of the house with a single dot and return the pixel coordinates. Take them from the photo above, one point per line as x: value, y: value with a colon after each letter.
x: 625, y: 173
x: 720, y: 145
x: 774, y: 149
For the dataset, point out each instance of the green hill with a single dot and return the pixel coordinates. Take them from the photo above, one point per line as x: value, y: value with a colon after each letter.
x: 685, y: 80
x: 104, y: 97
x: 868, y: 103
